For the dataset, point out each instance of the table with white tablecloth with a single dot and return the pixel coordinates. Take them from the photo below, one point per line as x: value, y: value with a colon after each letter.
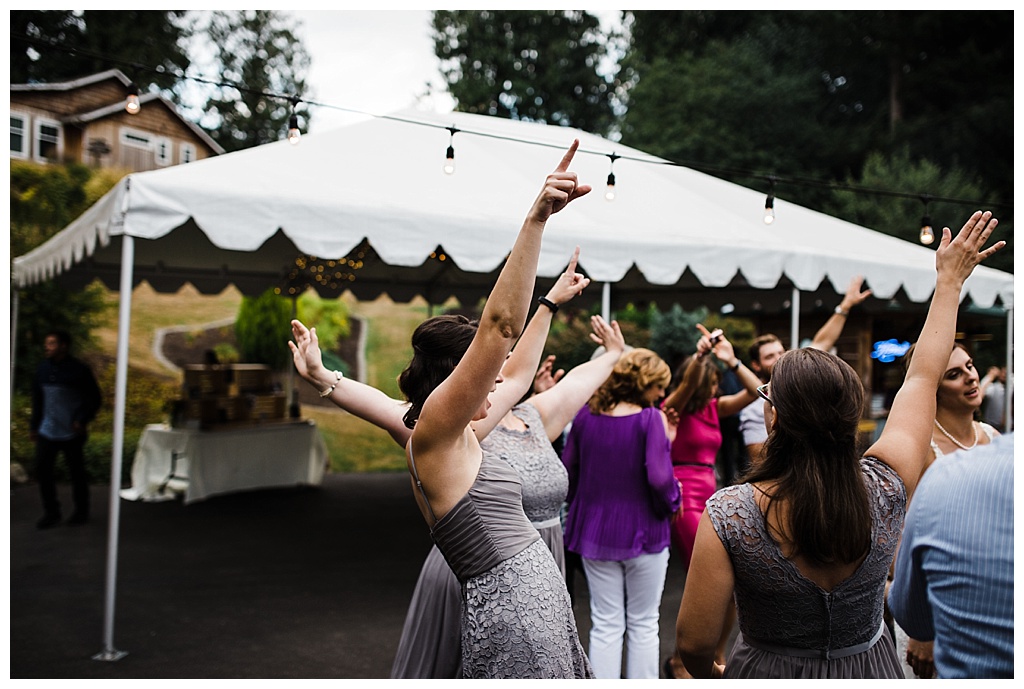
x: 200, y: 463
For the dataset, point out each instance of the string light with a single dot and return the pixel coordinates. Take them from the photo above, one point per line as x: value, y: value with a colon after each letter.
x: 927, y: 235
x: 609, y: 193
x: 294, y: 134
x: 769, y: 203
x: 131, y: 103
x: 449, y: 156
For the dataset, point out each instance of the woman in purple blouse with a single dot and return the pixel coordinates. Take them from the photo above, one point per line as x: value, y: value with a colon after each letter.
x: 622, y: 495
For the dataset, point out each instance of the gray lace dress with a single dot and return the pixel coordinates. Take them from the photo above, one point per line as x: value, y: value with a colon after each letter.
x: 517, y: 620
x: 430, y: 646
x: 789, y: 626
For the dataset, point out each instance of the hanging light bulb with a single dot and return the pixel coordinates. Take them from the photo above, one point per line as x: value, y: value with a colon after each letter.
x: 769, y: 203
x: 449, y: 155
x: 609, y: 193
x: 293, y: 129
x: 131, y: 103
x: 449, y: 161
x: 927, y: 235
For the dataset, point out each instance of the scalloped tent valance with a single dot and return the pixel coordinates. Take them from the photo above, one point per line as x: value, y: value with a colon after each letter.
x: 376, y: 189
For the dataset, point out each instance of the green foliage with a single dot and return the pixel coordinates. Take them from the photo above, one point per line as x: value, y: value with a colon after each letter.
x: 259, y: 50
x: 674, y: 333
x: 44, y: 199
x: 104, y: 40
x: 330, y: 316
x: 226, y: 353
x: 531, y: 65
x: 902, y: 217
x: 263, y: 328
x: 811, y: 95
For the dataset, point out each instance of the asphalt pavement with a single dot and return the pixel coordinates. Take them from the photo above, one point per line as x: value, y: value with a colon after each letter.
x: 295, y: 583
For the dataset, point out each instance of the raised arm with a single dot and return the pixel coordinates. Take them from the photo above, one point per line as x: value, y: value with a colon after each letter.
x: 558, y: 404
x: 903, y: 444
x: 520, y: 367
x: 452, y: 405
x: 827, y: 335
x: 358, y: 399
x: 724, y: 352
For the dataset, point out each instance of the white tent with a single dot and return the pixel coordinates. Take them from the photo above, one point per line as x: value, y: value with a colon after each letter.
x: 375, y: 193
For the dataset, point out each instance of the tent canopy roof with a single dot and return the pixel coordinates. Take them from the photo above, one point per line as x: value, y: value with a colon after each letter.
x: 374, y: 194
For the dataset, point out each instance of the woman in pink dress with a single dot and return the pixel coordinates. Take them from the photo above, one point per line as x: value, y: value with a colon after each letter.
x: 697, y: 406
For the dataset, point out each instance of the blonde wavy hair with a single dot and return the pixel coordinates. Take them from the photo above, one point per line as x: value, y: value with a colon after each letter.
x: 633, y: 375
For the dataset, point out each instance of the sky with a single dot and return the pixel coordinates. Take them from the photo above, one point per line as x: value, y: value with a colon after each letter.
x: 372, y: 61
x: 369, y: 61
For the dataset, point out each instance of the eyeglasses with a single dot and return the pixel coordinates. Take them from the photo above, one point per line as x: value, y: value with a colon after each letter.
x: 761, y: 390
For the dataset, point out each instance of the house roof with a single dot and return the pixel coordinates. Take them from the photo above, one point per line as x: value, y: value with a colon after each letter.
x: 114, y: 108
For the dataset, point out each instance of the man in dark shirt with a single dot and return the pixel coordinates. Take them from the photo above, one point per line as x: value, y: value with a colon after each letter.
x: 65, y: 398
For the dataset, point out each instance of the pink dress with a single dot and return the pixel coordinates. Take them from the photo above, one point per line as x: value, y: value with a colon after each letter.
x: 698, y: 438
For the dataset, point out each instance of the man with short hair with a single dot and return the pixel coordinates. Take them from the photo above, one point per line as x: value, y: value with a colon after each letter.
x: 766, y: 350
x: 65, y: 398
x: 953, y: 580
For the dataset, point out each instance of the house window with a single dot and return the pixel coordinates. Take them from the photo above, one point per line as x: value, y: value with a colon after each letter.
x: 48, y: 141
x: 19, y: 135
x: 187, y: 153
x: 136, y: 139
x: 162, y: 149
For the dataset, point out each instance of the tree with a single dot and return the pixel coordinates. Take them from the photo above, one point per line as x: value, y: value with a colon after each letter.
x: 263, y: 328
x: 531, y: 65
x: 45, y: 198
x: 808, y: 96
x: 261, y: 66
x: 59, y: 45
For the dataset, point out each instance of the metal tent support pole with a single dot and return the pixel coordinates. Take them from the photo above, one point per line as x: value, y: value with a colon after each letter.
x: 794, y: 320
x: 120, y: 394
x: 14, y: 335
x: 606, y: 301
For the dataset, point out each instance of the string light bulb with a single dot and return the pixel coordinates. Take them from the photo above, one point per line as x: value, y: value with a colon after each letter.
x: 927, y: 235
x: 449, y: 156
x: 769, y: 203
x: 131, y: 103
x: 293, y: 129
x: 609, y: 193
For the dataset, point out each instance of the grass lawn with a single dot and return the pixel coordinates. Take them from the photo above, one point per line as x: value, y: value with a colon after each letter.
x: 354, y: 445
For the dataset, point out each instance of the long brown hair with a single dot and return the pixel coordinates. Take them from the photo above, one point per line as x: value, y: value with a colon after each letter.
x: 706, y: 385
x: 811, y: 457
x: 636, y: 371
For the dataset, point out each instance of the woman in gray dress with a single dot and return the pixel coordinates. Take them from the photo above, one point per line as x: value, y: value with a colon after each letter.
x: 805, y: 543
x: 517, y: 619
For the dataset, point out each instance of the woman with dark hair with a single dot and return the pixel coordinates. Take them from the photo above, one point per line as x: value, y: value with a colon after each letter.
x: 805, y: 543
x: 621, y: 497
x: 517, y: 620
x: 957, y: 402
x: 697, y: 407
x: 430, y: 646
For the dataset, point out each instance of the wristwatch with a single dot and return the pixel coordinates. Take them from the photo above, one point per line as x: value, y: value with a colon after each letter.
x: 840, y: 311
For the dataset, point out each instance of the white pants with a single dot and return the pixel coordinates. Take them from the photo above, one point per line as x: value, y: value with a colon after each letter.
x: 625, y: 604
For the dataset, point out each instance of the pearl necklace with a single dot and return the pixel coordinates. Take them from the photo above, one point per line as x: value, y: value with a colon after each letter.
x: 956, y: 442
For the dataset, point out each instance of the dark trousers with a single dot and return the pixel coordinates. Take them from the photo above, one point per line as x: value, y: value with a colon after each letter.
x: 46, y: 460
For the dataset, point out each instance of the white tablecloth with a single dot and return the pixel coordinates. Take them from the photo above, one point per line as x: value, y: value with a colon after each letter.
x: 225, y: 461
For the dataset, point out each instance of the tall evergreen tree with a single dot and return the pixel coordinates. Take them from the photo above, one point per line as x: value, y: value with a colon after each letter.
x: 532, y: 65
x: 58, y: 45
x: 262, y: 67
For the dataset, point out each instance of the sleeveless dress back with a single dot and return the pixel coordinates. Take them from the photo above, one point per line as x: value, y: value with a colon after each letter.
x: 792, y: 628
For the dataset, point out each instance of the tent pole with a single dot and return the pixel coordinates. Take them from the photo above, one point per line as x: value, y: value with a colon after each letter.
x: 606, y: 301
x: 14, y: 336
x: 291, y: 398
x: 120, y: 392
x: 794, y: 320
x: 1008, y: 386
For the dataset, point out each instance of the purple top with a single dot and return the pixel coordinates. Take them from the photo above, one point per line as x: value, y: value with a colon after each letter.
x: 622, y: 493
